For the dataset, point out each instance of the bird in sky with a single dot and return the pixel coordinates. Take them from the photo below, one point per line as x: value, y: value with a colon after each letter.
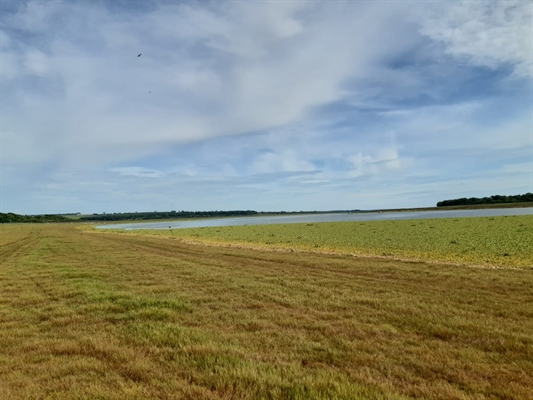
x: 140, y: 54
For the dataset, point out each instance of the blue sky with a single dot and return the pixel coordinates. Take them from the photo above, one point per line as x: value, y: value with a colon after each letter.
x: 263, y: 105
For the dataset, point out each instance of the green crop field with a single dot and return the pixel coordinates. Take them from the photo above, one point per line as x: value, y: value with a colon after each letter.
x: 492, y: 241
x: 215, y: 314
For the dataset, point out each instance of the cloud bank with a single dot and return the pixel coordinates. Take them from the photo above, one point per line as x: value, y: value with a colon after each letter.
x: 262, y: 105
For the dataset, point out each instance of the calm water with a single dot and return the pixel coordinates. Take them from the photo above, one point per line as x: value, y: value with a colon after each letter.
x: 333, y: 217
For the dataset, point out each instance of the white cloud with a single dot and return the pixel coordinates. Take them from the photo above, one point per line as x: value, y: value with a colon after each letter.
x: 139, y: 172
x: 35, y: 16
x: 294, y: 93
x: 288, y: 161
x: 243, y: 68
x: 5, y: 40
x: 384, y: 159
x: 518, y: 168
x: 9, y: 66
x: 469, y: 125
x: 36, y: 63
x: 485, y: 33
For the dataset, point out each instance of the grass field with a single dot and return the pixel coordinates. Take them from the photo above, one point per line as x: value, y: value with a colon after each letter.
x: 88, y: 315
x: 491, y: 241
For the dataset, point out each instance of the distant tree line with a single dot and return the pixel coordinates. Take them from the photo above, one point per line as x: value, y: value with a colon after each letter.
x: 165, y: 215
x: 6, y: 218
x: 133, y: 216
x: 496, y: 199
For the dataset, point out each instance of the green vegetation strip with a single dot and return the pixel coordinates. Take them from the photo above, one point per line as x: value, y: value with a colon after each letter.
x: 494, y: 241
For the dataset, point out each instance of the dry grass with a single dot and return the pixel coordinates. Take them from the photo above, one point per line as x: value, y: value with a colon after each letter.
x: 85, y: 315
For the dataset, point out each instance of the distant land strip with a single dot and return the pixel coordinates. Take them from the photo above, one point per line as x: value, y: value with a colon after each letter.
x: 496, y: 201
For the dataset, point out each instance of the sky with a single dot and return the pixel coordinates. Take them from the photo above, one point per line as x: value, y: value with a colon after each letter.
x: 262, y: 105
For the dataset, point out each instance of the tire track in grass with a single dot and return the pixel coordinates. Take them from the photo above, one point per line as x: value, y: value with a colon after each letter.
x: 316, y: 263
x: 198, y: 254
x: 272, y: 264
x: 18, y: 248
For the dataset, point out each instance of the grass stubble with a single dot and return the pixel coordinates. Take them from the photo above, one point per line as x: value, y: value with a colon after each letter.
x: 114, y: 316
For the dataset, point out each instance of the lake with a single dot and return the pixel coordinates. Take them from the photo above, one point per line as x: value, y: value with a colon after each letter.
x: 330, y: 217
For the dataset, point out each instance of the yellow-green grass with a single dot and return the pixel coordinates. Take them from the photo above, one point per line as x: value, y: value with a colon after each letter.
x: 112, y: 316
x: 494, y: 241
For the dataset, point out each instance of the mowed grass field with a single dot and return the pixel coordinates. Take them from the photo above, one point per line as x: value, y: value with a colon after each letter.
x: 489, y: 241
x: 88, y: 315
